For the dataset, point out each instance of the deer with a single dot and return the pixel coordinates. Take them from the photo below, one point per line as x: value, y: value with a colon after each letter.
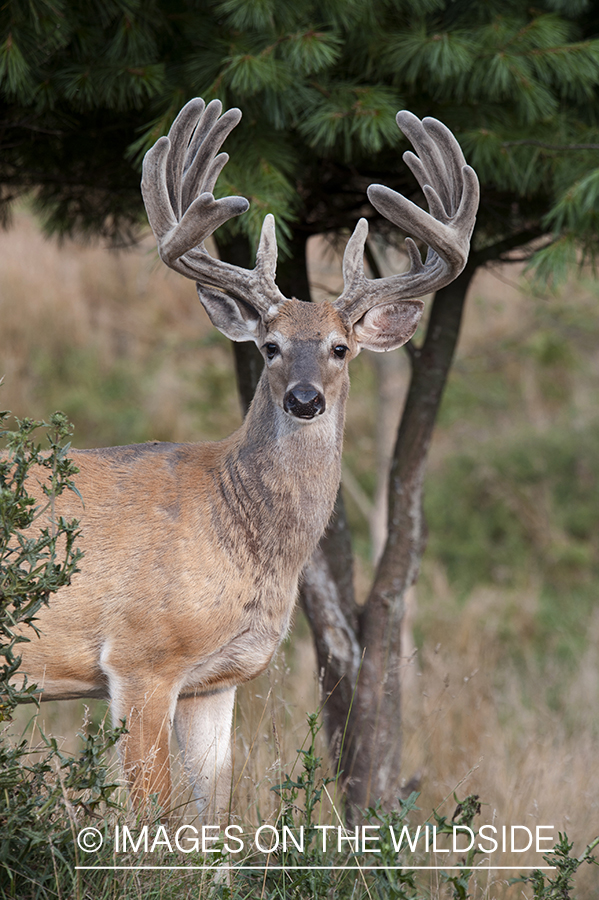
x: 193, y: 552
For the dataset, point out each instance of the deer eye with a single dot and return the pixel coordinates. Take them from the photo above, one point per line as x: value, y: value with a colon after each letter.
x: 340, y: 350
x: 271, y: 351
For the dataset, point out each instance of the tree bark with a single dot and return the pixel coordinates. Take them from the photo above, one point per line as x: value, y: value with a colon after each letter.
x: 370, y: 757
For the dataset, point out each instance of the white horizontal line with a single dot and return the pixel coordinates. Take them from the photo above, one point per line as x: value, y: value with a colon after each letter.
x: 218, y: 868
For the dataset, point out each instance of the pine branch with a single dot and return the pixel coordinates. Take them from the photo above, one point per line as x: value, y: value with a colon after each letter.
x: 498, y: 250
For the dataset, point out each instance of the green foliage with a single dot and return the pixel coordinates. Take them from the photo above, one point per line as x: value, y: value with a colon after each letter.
x: 400, y: 884
x: 390, y: 877
x: 345, y: 115
x: 307, y: 789
x: 463, y: 815
x: 306, y: 782
x: 560, y: 885
x: 85, y: 88
x: 36, y: 559
x: 44, y: 802
x: 44, y: 797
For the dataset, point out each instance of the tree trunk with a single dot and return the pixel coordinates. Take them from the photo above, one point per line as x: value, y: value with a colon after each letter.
x: 370, y: 757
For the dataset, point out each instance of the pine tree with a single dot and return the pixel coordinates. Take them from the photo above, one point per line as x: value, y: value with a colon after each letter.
x: 85, y: 88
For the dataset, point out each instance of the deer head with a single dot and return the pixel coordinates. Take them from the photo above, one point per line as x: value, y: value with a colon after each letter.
x: 306, y: 347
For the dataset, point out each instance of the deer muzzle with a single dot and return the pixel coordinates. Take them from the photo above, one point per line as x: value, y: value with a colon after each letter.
x: 304, y: 402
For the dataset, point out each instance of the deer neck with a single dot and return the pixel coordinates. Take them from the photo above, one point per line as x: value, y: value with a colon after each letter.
x: 280, y: 478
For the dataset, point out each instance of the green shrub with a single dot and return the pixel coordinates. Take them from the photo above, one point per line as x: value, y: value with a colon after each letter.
x: 34, y: 561
x: 45, y: 796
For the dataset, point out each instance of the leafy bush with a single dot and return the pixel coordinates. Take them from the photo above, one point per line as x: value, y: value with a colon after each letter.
x: 31, y: 565
x: 44, y: 796
x: 560, y: 885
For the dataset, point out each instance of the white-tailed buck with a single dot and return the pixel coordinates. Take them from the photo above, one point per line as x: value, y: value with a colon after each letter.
x: 193, y: 551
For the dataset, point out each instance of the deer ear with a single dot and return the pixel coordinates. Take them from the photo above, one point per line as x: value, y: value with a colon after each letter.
x: 388, y: 326
x: 235, y: 319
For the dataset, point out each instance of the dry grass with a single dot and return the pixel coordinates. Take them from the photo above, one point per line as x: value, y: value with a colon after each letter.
x: 98, y: 332
x: 474, y: 721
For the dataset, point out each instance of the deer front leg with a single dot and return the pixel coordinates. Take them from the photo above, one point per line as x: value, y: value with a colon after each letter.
x: 144, y: 751
x: 203, y: 729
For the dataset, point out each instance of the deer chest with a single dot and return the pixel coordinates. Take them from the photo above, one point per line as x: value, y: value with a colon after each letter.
x: 243, y: 640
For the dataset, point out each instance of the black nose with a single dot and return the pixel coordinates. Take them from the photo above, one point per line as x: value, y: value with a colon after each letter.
x: 304, y: 402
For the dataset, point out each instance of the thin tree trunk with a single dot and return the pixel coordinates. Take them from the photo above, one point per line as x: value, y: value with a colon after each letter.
x: 370, y: 758
x: 390, y: 388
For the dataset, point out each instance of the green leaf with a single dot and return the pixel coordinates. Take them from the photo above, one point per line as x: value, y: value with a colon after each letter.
x: 552, y: 265
x: 420, y: 54
x: 256, y: 15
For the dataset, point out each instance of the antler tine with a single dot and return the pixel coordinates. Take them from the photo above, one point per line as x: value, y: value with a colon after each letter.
x: 179, y: 174
x: 451, y: 189
x: 179, y: 135
x: 201, y: 154
x: 438, y: 151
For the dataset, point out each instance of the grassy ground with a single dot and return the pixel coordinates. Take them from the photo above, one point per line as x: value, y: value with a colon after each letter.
x: 501, y: 672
